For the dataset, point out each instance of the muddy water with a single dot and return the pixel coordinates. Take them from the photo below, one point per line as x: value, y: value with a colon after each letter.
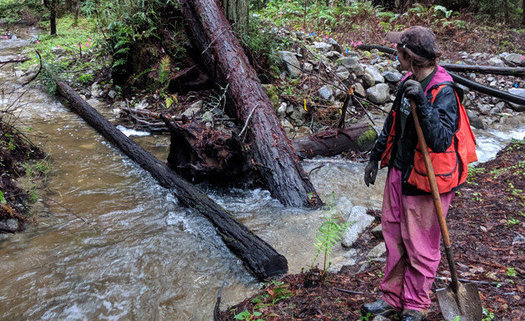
x: 112, y: 245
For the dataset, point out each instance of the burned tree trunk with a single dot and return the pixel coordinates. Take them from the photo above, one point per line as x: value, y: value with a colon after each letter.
x: 335, y: 141
x: 272, y: 151
x: 260, y: 258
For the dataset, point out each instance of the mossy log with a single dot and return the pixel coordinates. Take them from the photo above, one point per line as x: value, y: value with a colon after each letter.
x: 335, y: 141
x: 226, y: 62
x: 259, y: 257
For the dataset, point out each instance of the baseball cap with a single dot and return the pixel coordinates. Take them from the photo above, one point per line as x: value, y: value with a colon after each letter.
x: 418, y: 39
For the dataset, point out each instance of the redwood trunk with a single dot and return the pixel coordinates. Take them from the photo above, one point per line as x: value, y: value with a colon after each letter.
x: 260, y: 258
x: 272, y: 151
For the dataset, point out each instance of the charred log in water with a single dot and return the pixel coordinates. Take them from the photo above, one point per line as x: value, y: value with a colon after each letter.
x: 259, y: 257
x: 225, y: 60
x: 199, y: 153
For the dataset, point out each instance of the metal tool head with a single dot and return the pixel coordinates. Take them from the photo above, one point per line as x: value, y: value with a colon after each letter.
x: 465, y: 303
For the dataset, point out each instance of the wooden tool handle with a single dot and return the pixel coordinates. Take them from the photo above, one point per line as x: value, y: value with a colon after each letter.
x: 435, y: 195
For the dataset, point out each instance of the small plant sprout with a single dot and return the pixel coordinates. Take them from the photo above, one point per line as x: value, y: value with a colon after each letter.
x: 328, y: 234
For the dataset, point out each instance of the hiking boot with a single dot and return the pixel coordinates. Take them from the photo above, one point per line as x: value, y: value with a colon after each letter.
x: 413, y: 315
x: 379, y: 307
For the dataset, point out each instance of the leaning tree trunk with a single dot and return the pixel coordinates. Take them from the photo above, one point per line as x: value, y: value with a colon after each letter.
x: 272, y: 151
x: 238, y: 12
x: 260, y: 258
x: 53, y: 17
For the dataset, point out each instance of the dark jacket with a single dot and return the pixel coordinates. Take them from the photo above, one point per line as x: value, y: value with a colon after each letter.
x: 439, y: 121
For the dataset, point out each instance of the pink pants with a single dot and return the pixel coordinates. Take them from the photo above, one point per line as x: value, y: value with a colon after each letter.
x: 412, y: 237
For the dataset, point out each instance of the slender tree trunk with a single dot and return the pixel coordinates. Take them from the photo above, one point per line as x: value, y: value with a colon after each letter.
x: 237, y: 12
x: 506, y: 10
x: 53, y: 17
x: 523, y: 13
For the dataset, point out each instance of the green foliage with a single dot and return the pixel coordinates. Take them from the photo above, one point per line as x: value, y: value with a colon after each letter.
x: 328, y: 234
x: 2, y: 198
x: 489, y: 316
x: 13, y: 10
x: 246, y: 315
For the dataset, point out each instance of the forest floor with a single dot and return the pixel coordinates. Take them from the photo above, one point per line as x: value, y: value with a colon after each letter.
x: 487, y: 227
x: 21, y: 166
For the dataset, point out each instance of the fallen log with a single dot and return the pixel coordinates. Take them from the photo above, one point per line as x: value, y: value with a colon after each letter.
x: 259, y: 257
x: 226, y: 62
x: 509, y: 71
x: 335, y: 141
x: 488, y: 90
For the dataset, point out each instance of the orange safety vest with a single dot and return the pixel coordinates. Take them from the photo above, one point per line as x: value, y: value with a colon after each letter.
x: 450, y: 166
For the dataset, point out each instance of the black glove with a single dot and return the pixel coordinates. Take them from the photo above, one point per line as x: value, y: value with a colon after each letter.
x: 371, y: 172
x: 414, y: 92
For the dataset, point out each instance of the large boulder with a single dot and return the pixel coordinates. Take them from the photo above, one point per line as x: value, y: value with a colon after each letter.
x: 292, y: 64
x: 379, y: 93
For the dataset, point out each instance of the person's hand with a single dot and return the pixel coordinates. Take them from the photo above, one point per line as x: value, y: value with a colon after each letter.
x: 371, y: 172
x: 414, y: 92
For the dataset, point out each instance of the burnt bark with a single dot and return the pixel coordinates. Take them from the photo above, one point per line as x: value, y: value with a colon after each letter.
x: 335, y: 141
x: 510, y: 71
x: 259, y: 257
x: 225, y: 60
x: 199, y: 153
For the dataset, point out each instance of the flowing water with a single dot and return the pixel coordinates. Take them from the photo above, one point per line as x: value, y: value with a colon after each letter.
x: 110, y: 244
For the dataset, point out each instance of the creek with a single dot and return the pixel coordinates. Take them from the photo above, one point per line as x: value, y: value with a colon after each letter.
x: 110, y: 244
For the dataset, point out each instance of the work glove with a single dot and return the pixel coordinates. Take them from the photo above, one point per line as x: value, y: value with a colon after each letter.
x: 371, y: 172
x: 414, y: 91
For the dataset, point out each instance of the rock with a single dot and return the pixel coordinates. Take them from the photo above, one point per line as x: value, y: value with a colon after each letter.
x: 194, y: 109
x: 371, y: 70
x: 518, y: 92
x: 349, y: 62
x: 333, y: 55
x: 282, y: 109
x: 380, y: 318
x: 271, y: 92
x: 298, y: 115
x: 12, y: 224
x: 335, y: 45
x: 377, y: 232
x: 377, y: 251
x: 379, y: 93
x: 359, y: 89
x: 288, y: 127
x: 292, y: 64
x: 498, y: 108
x: 475, y: 121
x: 342, y: 73
x: 369, y: 80
x: 514, y: 59
x: 484, y: 108
x: 360, y: 221
x: 308, y: 67
x: 326, y: 92
x: 112, y: 94
x: 518, y: 239
x: 303, y: 131
x: 322, y: 46
x: 392, y: 77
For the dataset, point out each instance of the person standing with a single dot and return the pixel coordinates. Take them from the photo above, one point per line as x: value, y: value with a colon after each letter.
x: 410, y: 227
